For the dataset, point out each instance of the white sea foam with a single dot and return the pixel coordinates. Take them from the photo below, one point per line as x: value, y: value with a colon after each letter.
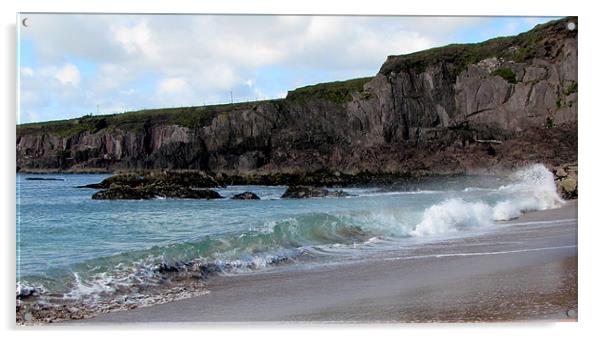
x: 535, y: 188
x: 506, y: 210
x: 25, y: 288
x: 92, y: 288
x: 532, y: 189
x: 452, y: 215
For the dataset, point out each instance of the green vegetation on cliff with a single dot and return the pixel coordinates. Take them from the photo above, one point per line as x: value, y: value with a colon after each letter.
x: 506, y: 73
x: 337, y: 91
x: 571, y: 89
x: 135, y: 121
x: 520, y: 48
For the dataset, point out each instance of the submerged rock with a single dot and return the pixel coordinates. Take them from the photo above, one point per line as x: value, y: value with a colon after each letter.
x: 302, y: 192
x: 246, y: 196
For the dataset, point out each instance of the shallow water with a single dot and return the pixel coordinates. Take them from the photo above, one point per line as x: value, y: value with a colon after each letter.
x: 72, y: 247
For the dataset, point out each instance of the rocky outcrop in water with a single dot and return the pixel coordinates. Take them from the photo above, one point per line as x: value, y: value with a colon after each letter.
x: 303, y: 192
x: 473, y: 108
x: 175, y: 178
x: 177, y: 185
x: 124, y: 192
x: 246, y: 196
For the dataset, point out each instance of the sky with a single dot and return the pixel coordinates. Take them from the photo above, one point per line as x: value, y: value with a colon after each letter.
x: 71, y: 65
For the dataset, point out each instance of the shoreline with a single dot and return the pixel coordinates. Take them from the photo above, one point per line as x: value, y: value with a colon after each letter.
x: 521, y: 272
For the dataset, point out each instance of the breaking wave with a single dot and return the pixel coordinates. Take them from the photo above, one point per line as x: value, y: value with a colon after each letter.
x: 532, y: 189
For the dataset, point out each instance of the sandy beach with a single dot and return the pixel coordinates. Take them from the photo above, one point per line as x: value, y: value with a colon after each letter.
x: 526, y: 270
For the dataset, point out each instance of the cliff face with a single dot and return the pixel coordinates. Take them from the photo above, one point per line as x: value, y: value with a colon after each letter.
x: 431, y: 111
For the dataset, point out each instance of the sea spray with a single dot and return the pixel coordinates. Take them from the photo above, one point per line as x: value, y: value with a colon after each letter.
x: 452, y: 215
x: 532, y: 189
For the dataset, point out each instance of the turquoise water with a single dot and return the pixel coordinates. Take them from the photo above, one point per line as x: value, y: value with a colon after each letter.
x: 70, y: 246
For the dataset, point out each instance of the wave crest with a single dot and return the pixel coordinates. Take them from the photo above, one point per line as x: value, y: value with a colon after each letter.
x: 532, y: 189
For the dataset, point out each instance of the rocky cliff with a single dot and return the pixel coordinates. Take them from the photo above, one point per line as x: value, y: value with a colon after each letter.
x: 454, y: 109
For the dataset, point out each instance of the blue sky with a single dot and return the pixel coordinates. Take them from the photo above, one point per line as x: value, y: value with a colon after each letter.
x: 71, y: 65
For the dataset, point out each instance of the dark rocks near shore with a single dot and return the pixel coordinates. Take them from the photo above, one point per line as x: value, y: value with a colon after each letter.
x: 175, y: 185
x: 177, y: 178
x: 565, y: 177
x: 129, y: 179
x: 124, y: 192
x: 246, y: 196
x: 319, y: 178
x: 186, y: 184
x: 27, y: 292
x: 303, y: 192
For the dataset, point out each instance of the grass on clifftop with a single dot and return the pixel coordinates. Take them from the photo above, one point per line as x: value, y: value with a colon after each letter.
x: 338, y: 91
x: 517, y: 48
x: 134, y: 121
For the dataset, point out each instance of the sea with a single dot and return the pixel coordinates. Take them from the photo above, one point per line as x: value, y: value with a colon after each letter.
x: 108, y: 255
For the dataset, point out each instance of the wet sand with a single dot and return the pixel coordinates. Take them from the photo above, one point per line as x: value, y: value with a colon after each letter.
x: 526, y: 270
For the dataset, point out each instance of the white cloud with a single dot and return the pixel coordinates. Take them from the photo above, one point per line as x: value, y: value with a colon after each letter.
x: 136, y: 39
x: 68, y: 75
x: 218, y: 76
x: 172, y: 85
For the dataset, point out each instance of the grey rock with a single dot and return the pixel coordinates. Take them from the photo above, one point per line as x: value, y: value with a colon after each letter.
x: 124, y: 192
x: 303, y: 192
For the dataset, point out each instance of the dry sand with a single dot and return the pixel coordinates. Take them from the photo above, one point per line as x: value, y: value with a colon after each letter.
x: 520, y: 272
